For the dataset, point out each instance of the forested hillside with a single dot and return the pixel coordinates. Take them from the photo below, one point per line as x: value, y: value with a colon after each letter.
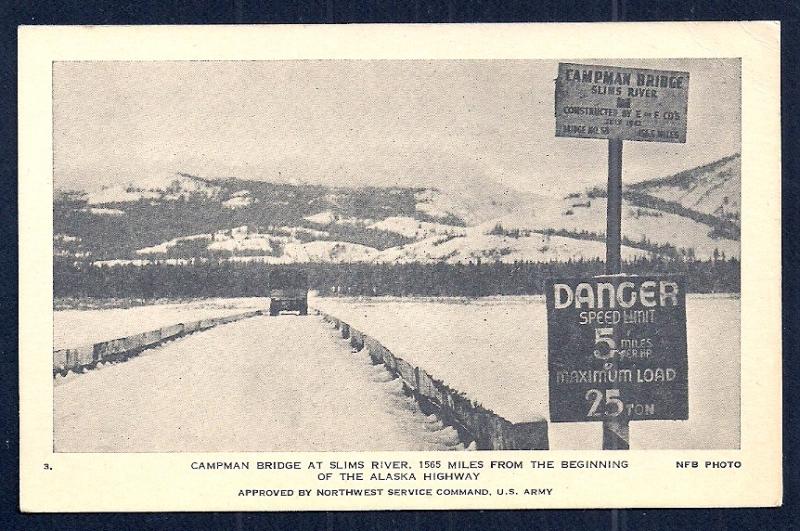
x: 182, y: 220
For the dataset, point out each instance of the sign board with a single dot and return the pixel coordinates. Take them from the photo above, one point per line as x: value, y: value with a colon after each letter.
x: 621, y: 103
x: 617, y: 348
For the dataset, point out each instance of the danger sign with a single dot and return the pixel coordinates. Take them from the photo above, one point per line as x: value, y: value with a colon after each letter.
x: 621, y: 103
x: 617, y: 348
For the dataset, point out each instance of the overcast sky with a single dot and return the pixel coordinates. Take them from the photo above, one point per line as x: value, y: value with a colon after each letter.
x: 359, y: 122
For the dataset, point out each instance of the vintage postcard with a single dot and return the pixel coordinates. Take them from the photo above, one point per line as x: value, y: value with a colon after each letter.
x: 400, y: 267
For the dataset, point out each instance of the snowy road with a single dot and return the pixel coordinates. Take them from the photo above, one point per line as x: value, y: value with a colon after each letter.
x: 262, y: 384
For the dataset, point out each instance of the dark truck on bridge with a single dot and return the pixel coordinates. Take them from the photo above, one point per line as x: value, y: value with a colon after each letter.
x: 288, y: 291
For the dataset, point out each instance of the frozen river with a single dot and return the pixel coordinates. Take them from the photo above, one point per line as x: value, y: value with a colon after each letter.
x: 75, y: 328
x: 495, y: 350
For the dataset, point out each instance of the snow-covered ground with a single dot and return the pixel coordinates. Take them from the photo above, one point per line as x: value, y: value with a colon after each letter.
x: 239, y: 199
x: 474, y: 244
x: 583, y: 213
x: 327, y: 251
x: 495, y: 350
x: 414, y: 228
x: 164, y: 186
x: 715, y: 191
x: 436, y: 204
x: 164, y: 247
x: 316, y: 251
x: 75, y: 328
x: 97, y: 211
x: 242, y: 242
x: 322, y: 218
x: 262, y: 384
x: 437, y: 242
x: 139, y: 262
x: 470, y: 203
x: 119, y: 194
x: 288, y: 239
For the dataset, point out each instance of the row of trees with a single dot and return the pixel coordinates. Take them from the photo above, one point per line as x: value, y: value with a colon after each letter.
x: 228, y: 279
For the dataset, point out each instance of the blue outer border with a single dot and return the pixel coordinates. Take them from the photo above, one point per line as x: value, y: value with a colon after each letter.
x: 13, y: 13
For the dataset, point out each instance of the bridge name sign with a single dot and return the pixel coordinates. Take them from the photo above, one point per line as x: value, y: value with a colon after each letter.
x: 621, y: 103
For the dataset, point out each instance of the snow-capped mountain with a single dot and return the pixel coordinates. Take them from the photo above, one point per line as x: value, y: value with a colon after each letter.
x: 693, y: 214
x: 162, y: 187
x: 714, y: 189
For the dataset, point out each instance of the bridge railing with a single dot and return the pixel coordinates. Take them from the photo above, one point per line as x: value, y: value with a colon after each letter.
x: 473, y: 422
x: 87, y: 356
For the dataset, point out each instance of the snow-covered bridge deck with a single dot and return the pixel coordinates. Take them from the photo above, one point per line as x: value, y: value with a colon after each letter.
x: 262, y: 384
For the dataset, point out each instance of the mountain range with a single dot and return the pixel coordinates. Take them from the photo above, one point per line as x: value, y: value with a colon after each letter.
x: 179, y: 217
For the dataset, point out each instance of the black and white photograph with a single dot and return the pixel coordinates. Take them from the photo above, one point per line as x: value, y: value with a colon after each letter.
x: 275, y: 268
x: 287, y: 255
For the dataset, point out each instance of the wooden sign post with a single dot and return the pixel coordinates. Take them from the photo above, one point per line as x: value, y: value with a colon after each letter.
x: 614, y: 103
x: 616, y: 435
